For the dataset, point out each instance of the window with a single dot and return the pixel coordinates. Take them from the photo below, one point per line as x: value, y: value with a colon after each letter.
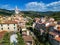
x: 1, y: 24
x: 8, y: 24
x: 8, y: 27
x: 18, y: 29
x: 14, y: 24
x: 14, y: 27
x: 1, y: 28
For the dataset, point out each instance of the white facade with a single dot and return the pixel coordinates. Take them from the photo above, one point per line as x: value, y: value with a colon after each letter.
x: 16, y: 10
x: 28, y: 32
x: 29, y: 43
x: 8, y: 27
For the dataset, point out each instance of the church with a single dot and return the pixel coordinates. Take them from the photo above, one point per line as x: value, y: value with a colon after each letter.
x: 13, y: 22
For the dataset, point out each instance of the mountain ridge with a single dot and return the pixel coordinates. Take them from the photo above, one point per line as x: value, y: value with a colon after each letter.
x: 32, y: 14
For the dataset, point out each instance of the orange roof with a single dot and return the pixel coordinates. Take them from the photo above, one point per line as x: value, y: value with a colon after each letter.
x: 52, y: 33
x: 58, y: 29
x: 2, y: 33
x: 24, y: 33
x: 9, y: 22
x: 57, y: 39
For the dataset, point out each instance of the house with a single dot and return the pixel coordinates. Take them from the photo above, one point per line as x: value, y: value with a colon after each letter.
x: 54, y: 36
x: 28, y: 40
x: 8, y: 25
x: 27, y: 37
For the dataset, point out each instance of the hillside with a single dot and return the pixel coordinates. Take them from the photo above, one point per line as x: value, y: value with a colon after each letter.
x: 32, y: 14
x: 5, y: 12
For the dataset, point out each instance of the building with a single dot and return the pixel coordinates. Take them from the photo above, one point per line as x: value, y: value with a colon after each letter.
x: 54, y: 36
x: 8, y: 25
x: 16, y: 10
x: 48, y: 26
x: 20, y: 19
x: 27, y: 37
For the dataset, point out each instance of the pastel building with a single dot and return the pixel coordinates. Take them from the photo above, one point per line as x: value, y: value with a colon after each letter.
x: 8, y: 26
x: 54, y: 36
x: 27, y: 37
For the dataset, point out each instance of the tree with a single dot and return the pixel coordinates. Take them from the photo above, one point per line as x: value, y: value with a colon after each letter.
x: 6, y: 39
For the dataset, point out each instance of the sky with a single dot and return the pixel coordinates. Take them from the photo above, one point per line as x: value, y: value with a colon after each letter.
x: 31, y: 5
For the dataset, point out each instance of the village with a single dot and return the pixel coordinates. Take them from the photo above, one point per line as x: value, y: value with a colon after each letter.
x: 48, y: 28
x: 42, y: 27
x: 15, y: 23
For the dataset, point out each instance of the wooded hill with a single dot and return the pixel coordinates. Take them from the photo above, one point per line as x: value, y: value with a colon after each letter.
x: 32, y: 14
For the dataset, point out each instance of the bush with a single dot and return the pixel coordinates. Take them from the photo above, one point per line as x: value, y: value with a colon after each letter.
x: 6, y: 39
x: 20, y: 40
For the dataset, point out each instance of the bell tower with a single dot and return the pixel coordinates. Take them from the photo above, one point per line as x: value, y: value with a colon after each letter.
x: 16, y: 10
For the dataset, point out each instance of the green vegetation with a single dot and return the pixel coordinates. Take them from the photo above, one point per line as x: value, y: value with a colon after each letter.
x: 20, y: 40
x: 5, y: 12
x: 6, y: 39
x: 32, y: 14
x: 29, y: 23
x: 56, y: 15
x: 39, y: 40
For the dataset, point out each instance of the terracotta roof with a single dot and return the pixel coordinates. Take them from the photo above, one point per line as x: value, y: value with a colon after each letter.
x: 24, y: 33
x: 57, y: 39
x: 9, y: 22
x: 2, y: 33
x: 27, y: 38
x: 52, y: 33
x: 57, y: 27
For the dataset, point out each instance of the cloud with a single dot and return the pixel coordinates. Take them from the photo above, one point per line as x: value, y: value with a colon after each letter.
x: 35, y: 6
x: 54, y: 3
x: 40, y: 6
x: 54, y: 6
